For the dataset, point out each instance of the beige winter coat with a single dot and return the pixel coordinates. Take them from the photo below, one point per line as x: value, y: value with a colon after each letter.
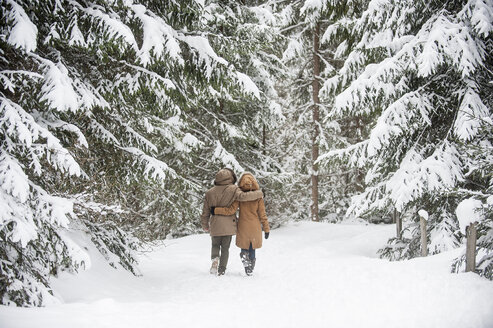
x: 252, y: 215
x: 224, y: 193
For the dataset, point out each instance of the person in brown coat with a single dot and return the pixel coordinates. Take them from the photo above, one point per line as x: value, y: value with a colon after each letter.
x: 222, y: 228
x: 250, y: 223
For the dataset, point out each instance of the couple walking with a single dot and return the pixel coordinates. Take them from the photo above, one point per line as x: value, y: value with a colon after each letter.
x: 219, y: 219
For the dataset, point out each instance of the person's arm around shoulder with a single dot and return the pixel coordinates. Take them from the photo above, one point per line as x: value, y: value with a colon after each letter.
x: 248, y: 196
x: 226, y: 210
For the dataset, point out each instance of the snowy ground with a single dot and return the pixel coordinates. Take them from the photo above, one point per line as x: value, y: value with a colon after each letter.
x: 307, y: 275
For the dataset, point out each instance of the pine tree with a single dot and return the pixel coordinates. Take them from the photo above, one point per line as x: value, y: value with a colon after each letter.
x: 418, y: 73
x: 110, y: 129
x: 246, y: 35
x: 311, y: 61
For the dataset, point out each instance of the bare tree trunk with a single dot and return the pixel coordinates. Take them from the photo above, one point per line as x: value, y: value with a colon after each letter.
x: 264, y: 139
x: 471, y: 234
x: 398, y: 223
x: 424, y: 237
x: 316, y: 121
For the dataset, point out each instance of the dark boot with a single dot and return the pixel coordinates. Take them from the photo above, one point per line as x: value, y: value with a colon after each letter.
x: 252, y: 262
x: 250, y: 267
x: 245, y: 259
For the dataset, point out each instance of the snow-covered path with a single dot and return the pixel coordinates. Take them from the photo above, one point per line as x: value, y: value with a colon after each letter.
x: 307, y: 275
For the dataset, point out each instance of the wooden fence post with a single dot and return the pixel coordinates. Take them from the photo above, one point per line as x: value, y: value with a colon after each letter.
x: 398, y: 223
x: 471, y: 234
x: 424, y: 237
x: 423, y: 217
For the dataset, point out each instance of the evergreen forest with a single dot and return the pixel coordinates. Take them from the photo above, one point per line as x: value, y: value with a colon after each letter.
x: 115, y: 116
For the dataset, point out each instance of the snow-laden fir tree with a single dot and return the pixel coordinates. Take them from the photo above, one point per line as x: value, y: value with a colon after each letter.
x: 246, y: 34
x: 419, y: 74
x: 308, y: 131
x: 103, y: 132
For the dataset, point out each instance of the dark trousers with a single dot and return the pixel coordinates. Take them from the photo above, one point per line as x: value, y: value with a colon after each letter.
x: 251, y: 252
x: 220, y: 248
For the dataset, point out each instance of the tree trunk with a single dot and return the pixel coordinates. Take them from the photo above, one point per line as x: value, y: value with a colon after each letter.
x: 471, y: 248
x: 316, y: 120
x: 264, y: 139
x: 398, y: 223
x: 424, y: 237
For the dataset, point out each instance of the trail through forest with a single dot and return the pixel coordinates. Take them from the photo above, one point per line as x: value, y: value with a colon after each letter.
x: 307, y: 275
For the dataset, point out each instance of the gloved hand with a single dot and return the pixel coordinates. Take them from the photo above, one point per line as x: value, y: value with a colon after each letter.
x: 267, y: 235
x: 213, y: 208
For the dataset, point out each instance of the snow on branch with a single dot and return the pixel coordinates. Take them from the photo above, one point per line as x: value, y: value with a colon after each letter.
x: 373, y: 83
x: 264, y: 14
x: 20, y: 125
x: 226, y: 158
x: 153, y: 167
x: 170, y: 127
x: 188, y: 142
x: 113, y: 25
x: 206, y: 55
x: 293, y: 50
x: 313, y: 5
x: 17, y: 123
x: 89, y: 96
x: 351, y: 68
x: 415, y: 177
x: 53, y: 209
x: 372, y: 198
x: 76, y: 36
x: 444, y: 40
x: 355, y: 154
x: 22, y: 201
x: 140, y: 139
x: 333, y: 29
x: 397, y: 119
x: 58, y: 90
x: 23, y: 33
x: 62, y: 125
x: 480, y: 13
x: 231, y: 130
x: 471, y: 115
x: 247, y: 84
x: 85, y: 201
x: 102, y: 133
x: 7, y: 77
x: 159, y: 37
x: 62, y: 160
x: 23, y: 229
x: 153, y: 76
x: 418, y: 175
x: 13, y: 180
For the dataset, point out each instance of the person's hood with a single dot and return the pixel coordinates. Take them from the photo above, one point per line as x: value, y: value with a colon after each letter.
x: 225, y: 177
x: 248, y: 182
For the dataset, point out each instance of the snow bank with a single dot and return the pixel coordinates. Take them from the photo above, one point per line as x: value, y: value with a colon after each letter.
x: 307, y: 275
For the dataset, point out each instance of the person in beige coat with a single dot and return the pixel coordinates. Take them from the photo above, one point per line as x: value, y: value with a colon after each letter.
x: 222, y: 228
x: 250, y: 223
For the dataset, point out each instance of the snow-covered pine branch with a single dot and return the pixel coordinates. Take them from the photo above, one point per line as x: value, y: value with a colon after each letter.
x: 417, y: 74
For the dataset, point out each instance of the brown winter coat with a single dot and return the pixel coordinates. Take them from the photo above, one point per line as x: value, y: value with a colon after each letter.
x: 224, y: 193
x: 252, y: 215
